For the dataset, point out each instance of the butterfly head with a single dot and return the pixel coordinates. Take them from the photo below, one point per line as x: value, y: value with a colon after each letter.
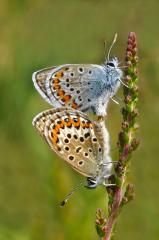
x: 104, y: 170
x: 113, y: 75
x: 112, y: 66
x: 92, y: 183
x: 113, y: 63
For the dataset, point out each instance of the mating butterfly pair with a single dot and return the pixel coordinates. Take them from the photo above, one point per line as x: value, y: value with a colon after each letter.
x: 73, y: 89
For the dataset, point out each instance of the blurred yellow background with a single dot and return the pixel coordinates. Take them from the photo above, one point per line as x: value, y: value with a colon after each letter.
x: 33, y: 180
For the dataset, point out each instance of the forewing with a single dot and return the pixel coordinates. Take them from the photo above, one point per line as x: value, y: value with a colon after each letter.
x: 39, y: 80
x: 74, y: 85
x: 73, y: 137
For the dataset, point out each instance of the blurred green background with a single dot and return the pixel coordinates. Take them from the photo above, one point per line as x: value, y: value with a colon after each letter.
x: 36, y: 34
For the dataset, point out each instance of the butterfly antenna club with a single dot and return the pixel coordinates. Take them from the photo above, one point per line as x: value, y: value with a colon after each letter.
x: 65, y: 200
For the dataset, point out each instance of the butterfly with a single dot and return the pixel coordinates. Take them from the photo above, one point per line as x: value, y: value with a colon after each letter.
x: 82, y: 143
x: 86, y: 87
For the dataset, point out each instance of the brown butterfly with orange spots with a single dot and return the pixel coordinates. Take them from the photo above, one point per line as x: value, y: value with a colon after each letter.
x: 82, y: 143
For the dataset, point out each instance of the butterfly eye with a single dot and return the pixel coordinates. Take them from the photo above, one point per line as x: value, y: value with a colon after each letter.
x: 110, y: 64
x: 91, y: 183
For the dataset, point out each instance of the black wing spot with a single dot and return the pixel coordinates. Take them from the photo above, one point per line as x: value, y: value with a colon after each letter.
x: 67, y: 148
x: 81, y: 139
x: 72, y: 74
x: 80, y: 163
x: 66, y: 140
x: 86, y: 135
x: 80, y: 69
x: 75, y: 136
x: 67, y: 79
x: 78, y: 149
x: 80, y: 98
x: 59, y: 149
x: 71, y: 158
x: 86, y: 154
x: 69, y: 135
x: 94, y: 139
x: 90, y: 72
x: 89, y: 100
x: 90, y: 150
x: 99, y: 149
x: 71, y: 89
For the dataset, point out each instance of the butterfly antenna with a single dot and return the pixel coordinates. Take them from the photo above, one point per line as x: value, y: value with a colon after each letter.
x: 65, y: 200
x: 114, y: 40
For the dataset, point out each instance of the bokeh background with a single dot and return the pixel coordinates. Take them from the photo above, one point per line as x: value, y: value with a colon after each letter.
x: 35, y: 34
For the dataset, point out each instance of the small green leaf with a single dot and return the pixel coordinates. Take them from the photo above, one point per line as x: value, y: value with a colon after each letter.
x: 100, y: 232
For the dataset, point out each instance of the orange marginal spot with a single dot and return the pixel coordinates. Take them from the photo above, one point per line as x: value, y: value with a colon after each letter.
x: 54, y: 136
x: 74, y: 105
x: 69, y: 123
x: 59, y: 126
x: 66, y: 98
x: 57, y: 87
x: 55, y: 139
x: 56, y: 80
x: 54, y: 132
x: 86, y: 125
x: 59, y: 74
x: 60, y: 93
x: 63, y: 122
x: 76, y: 124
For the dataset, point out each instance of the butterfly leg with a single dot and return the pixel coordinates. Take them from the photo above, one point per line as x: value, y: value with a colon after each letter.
x: 109, y: 184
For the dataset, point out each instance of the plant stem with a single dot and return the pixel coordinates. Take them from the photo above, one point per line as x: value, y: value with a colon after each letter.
x: 114, y: 213
x: 127, y: 143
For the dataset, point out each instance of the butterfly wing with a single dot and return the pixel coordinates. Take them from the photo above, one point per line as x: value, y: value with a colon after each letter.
x: 74, y: 85
x: 73, y: 137
x: 39, y: 80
